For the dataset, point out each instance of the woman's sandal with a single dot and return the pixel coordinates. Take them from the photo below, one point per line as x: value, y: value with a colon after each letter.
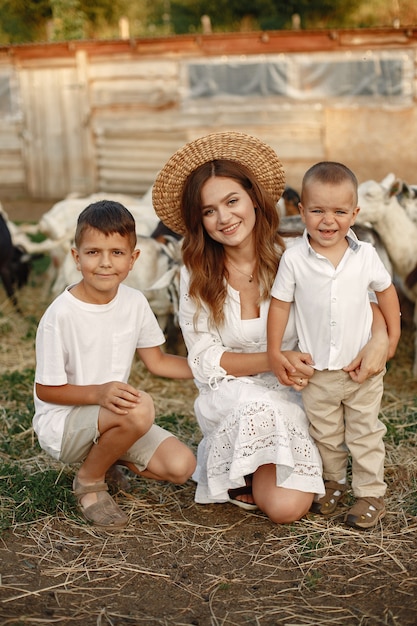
x: 243, y: 491
x: 327, y: 504
x: 104, y: 512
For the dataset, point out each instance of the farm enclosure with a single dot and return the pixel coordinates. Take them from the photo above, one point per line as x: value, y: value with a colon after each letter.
x: 105, y: 115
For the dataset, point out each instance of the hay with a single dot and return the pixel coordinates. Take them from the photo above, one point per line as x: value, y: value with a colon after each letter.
x: 180, y: 563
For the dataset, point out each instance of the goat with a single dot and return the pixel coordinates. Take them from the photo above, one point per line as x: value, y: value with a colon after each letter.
x: 381, y: 209
x: 288, y: 203
x: 14, y: 264
x: 60, y: 221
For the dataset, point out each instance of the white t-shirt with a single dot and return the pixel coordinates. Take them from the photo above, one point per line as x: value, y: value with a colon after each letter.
x: 87, y: 344
x: 333, y: 315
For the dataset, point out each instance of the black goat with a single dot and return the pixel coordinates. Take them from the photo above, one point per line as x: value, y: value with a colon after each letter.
x: 15, y: 264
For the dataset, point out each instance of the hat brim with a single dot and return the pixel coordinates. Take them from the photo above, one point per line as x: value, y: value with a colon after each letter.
x: 247, y: 150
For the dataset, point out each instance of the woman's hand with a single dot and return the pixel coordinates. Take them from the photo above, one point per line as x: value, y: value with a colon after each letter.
x: 300, y: 369
x: 371, y: 359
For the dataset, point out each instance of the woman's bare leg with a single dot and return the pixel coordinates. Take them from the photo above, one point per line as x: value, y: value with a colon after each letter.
x: 281, y: 505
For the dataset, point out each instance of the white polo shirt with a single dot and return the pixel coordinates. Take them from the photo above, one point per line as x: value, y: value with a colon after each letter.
x: 333, y: 314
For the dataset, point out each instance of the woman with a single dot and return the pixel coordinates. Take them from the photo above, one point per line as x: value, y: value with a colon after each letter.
x: 221, y: 191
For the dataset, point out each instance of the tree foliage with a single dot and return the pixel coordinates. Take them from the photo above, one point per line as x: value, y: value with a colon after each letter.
x: 35, y: 20
x: 185, y: 15
x: 27, y: 20
x: 23, y: 20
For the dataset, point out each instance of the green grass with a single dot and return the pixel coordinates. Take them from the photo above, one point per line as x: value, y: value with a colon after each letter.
x: 411, y: 498
x: 179, y: 425
x: 29, y: 487
x: 28, y: 494
x: 401, y: 422
x: 33, y: 485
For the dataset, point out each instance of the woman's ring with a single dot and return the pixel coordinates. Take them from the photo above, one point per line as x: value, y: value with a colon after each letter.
x: 300, y: 382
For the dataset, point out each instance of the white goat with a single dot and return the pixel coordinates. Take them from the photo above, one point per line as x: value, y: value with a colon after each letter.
x: 60, y: 221
x: 20, y: 238
x: 381, y: 209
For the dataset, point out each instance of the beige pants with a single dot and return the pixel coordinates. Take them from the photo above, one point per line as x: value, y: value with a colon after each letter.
x: 343, y: 418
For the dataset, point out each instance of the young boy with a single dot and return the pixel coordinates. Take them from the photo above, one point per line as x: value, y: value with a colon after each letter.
x: 327, y: 274
x: 85, y: 410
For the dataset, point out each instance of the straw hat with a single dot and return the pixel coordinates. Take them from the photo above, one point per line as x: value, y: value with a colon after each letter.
x: 249, y: 151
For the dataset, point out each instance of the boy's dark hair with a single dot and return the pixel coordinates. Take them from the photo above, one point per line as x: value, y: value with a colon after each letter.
x: 330, y: 172
x: 108, y: 217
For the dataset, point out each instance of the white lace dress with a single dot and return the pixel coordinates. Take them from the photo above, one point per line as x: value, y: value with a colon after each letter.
x: 246, y: 421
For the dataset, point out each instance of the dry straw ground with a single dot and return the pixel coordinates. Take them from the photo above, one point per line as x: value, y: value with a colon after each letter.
x: 178, y: 563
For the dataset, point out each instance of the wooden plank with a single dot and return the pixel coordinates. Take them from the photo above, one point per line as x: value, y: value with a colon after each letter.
x: 282, y: 41
x: 147, y: 153
x: 154, y: 93
x: 12, y: 167
x: 55, y: 141
x: 86, y: 137
x: 136, y: 68
x: 10, y: 140
x: 11, y: 159
x: 11, y: 175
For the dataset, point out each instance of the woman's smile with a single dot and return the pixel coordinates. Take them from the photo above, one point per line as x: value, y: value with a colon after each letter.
x: 230, y: 230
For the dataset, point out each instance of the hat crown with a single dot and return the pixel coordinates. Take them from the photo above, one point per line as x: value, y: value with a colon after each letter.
x: 253, y: 153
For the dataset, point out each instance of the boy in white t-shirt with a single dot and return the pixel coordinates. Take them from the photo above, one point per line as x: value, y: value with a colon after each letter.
x: 328, y: 273
x: 85, y: 410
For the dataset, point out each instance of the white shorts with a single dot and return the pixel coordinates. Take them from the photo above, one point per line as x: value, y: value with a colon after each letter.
x: 81, y: 433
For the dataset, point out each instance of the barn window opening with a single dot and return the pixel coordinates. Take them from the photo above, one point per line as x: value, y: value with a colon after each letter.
x: 237, y: 78
x: 359, y: 76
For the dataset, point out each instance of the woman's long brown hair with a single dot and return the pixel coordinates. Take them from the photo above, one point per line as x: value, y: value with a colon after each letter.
x: 204, y: 257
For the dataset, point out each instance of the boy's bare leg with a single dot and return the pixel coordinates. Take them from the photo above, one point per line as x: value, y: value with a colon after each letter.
x: 117, y: 434
x: 172, y: 461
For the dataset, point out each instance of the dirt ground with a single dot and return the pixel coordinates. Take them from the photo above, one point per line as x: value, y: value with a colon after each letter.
x: 178, y: 563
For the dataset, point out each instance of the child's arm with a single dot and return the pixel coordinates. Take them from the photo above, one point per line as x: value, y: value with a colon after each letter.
x: 277, y: 321
x: 162, y: 364
x: 389, y: 304
x: 115, y: 396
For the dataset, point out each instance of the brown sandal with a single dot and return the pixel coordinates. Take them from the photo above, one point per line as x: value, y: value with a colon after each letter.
x: 365, y: 513
x: 104, y: 512
x: 327, y: 504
